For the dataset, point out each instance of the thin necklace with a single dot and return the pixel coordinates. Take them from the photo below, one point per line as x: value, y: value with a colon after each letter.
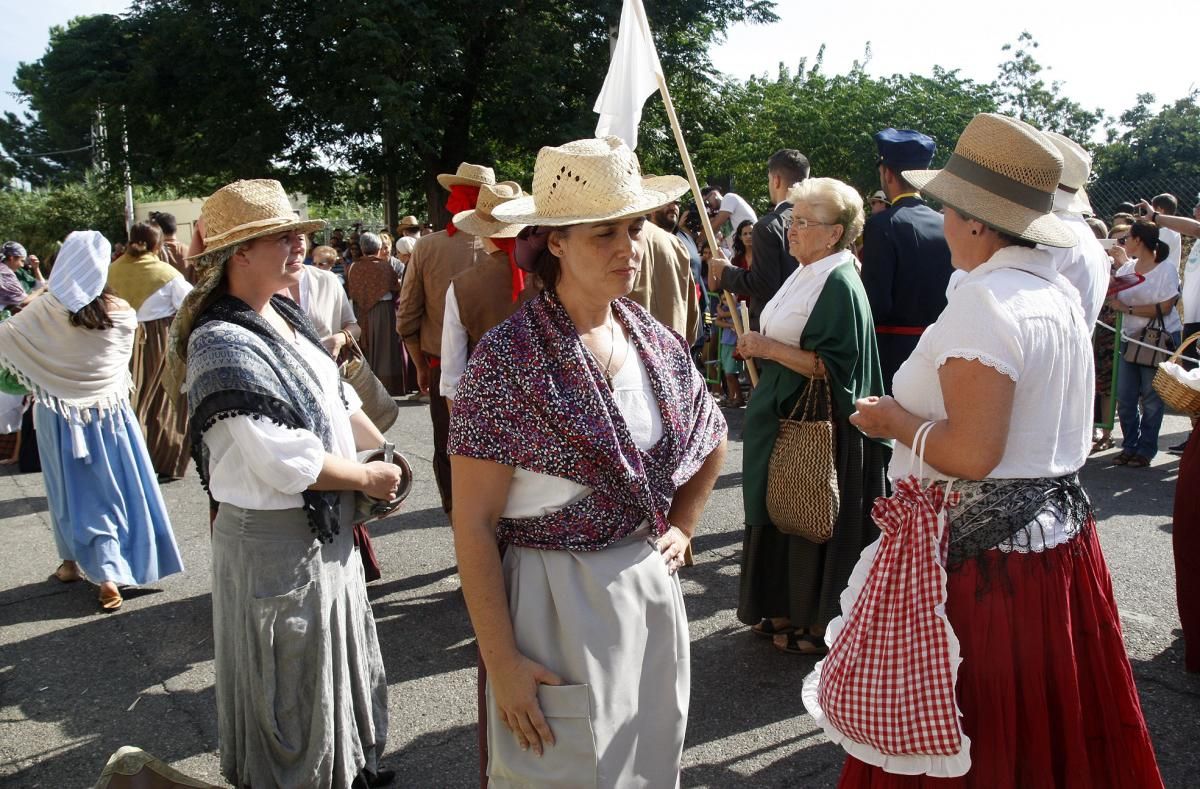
x: 612, y: 347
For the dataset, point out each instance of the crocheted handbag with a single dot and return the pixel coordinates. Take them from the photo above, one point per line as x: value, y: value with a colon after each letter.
x: 802, y: 484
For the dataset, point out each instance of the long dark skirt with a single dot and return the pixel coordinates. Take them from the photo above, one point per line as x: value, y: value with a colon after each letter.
x: 381, y: 345
x: 1185, y: 540
x: 785, y: 576
x: 164, y: 425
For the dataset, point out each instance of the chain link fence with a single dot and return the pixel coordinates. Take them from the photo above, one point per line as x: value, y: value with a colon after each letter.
x: 1105, y: 195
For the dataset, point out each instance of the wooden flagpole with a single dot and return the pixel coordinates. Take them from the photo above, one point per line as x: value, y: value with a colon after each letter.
x: 736, y: 316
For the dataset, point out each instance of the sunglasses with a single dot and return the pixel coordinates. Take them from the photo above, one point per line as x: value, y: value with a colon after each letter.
x: 1122, y: 240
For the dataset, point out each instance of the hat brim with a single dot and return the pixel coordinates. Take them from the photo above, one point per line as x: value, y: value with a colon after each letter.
x: 448, y: 180
x: 300, y: 226
x: 470, y: 222
x: 656, y: 192
x: 1025, y: 223
x: 1080, y: 204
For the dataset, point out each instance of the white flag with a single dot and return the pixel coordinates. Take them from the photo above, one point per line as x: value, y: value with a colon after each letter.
x: 632, y: 77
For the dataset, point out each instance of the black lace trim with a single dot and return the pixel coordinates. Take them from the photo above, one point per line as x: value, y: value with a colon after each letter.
x: 1004, y: 513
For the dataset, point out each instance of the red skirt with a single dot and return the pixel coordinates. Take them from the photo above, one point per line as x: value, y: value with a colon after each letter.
x: 1045, y: 686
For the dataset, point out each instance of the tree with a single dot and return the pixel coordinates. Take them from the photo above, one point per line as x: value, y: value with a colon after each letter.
x: 1166, y: 143
x: 1021, y: 92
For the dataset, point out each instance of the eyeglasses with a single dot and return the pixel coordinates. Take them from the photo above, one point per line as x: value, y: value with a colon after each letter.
x: 1122, y: 240
x: 802, y: 223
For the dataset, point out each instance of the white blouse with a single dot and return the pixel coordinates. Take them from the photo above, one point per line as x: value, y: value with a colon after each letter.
x: 164, y: 302
x: 1161, y: 283
x: 786, y: 314
x: 323, y: 299
x: 256, y: 464
x: 1016, y: 315
x: 454, y: 347
x: 531, y: 495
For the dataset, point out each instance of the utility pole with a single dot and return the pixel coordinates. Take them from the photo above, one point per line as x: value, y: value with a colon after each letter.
x: 128, y: 174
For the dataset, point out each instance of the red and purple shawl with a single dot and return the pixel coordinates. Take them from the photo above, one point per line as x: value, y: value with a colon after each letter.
x: 533, y: 398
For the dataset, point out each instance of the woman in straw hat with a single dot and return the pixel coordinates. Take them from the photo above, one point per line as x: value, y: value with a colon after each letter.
x: 980, y: 644
x: 584, y: 444
x: 71, y: 348
x: 300, y: 687
x: 155, y: 289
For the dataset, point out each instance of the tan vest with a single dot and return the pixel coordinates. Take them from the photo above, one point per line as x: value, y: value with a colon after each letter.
x: 436, y: 260
x: 484, y: 296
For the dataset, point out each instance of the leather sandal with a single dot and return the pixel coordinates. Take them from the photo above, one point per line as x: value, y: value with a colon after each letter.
x: 1123, y: 458
x: 111, y: 602
x: 66, y: 575
x: 1138, y: 461
x: 801, y: 642
x: 768, y: 629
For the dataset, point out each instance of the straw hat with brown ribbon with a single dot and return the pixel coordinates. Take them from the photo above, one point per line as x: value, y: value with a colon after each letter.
x: 409, y: 221
x: 468, y: 174
x: 234, y: 214
x: 592, y: 180
x: 479, y: 220
x: 1004, y: 173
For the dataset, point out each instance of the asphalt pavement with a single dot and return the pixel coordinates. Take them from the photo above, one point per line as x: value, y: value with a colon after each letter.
x: 76, y: 684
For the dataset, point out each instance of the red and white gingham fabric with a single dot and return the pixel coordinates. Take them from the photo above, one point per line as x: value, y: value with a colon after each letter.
x: 888, y: 681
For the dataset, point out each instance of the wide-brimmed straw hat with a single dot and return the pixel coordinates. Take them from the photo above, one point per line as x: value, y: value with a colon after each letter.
x: 1077, y: 167
x: 245, y: 210
x: 409, y: 221
x: 468, y: 175
x: 480, y: 222
x: 1004, y: 173
x: 592, y: 180
x: 879, y: 197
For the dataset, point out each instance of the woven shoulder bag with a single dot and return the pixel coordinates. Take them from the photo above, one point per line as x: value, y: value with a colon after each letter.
x: 802, y: 484
x: 378, y: 405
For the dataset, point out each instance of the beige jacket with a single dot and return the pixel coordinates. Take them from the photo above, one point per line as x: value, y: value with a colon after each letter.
x: 436, y: 259
x: 664, y: 285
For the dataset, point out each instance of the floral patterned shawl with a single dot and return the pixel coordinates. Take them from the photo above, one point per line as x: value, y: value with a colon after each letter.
x: 533, y: 398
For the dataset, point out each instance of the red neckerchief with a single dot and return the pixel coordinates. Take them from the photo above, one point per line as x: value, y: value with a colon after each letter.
x: 509, y: 245
x: 462, y: 198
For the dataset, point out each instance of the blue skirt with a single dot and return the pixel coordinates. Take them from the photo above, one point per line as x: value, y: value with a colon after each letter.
x: 105, y: 505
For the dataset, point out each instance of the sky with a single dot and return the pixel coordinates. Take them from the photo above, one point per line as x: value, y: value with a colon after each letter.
x: 1094, y: 54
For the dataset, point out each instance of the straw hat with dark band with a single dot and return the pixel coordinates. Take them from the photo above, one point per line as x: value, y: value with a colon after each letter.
x: 592, y: 180
x: 246, y: 210
x: 480, y: 222
x: 1004, y: 173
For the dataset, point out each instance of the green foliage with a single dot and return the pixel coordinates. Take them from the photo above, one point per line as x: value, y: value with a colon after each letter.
x: 1163, y: 143
x: 1022, y: 93
x: 42, y: 218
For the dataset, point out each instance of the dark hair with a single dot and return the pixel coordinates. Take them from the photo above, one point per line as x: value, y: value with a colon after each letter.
x: 1125, y: 208
x: 94, y: 314
x: 738, y: 247
x: 789, y: 163
x: 707, y: 190
x: 1165, y: 204
x: 165, y: 221
x: 144, y: 237
x: 1146, y: 232
x: 547, y: 268
x: 1015, y: 241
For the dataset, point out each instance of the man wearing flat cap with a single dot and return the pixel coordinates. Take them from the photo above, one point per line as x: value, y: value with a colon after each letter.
x: 906, y: 262
x: 435, y: 261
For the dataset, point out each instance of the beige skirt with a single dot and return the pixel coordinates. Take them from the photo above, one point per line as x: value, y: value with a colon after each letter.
x: 612, y: 624
x: 164, y: 425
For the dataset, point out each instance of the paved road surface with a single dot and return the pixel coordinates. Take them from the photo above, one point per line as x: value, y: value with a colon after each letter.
x: 76, y: 684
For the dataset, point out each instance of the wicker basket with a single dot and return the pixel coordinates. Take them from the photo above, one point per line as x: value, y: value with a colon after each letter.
x: 1174, y: 393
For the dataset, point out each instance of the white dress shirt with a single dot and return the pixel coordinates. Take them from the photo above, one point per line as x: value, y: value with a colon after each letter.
x: 786, y: 314
x: 1085, y: 265
x: 258, y: 465
x: 164, y: 302
x: 454, y: 347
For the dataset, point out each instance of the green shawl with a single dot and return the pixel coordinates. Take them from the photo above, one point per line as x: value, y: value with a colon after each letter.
x: 136, y: 279
x: 841, y: 331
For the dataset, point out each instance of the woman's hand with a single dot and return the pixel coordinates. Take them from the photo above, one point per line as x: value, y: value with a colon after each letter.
x: 753, y: 345
x: 877, y: 417
x: 1117, y: 253
x: 673, y: 547
x: 381, y: 480
x: 334, y: 343
x: 514, y: 691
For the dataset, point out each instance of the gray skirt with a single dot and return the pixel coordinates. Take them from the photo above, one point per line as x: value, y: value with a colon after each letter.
x: 300, y: 686
x: 612, y: 624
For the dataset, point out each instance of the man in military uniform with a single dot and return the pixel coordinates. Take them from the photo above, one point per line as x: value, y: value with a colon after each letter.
x: 906, y: 263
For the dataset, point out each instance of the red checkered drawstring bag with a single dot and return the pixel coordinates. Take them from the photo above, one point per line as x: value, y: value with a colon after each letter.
x: 888, y: 681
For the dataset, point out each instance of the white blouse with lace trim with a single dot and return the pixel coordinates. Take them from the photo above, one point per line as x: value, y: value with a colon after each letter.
x: 1027, y: 327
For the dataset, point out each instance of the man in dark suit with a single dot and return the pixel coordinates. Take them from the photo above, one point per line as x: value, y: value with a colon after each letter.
x: 906, y: 263
x: 772, y: 262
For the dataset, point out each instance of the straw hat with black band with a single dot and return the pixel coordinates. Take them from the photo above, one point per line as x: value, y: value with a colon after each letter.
x: 233, y: 215
x: 1004, y: 173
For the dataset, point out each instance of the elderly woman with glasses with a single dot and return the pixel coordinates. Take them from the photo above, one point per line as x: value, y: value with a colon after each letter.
x: 817, y: 325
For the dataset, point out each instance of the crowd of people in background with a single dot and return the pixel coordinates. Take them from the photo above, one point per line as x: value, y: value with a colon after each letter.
x: 575, y: 344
